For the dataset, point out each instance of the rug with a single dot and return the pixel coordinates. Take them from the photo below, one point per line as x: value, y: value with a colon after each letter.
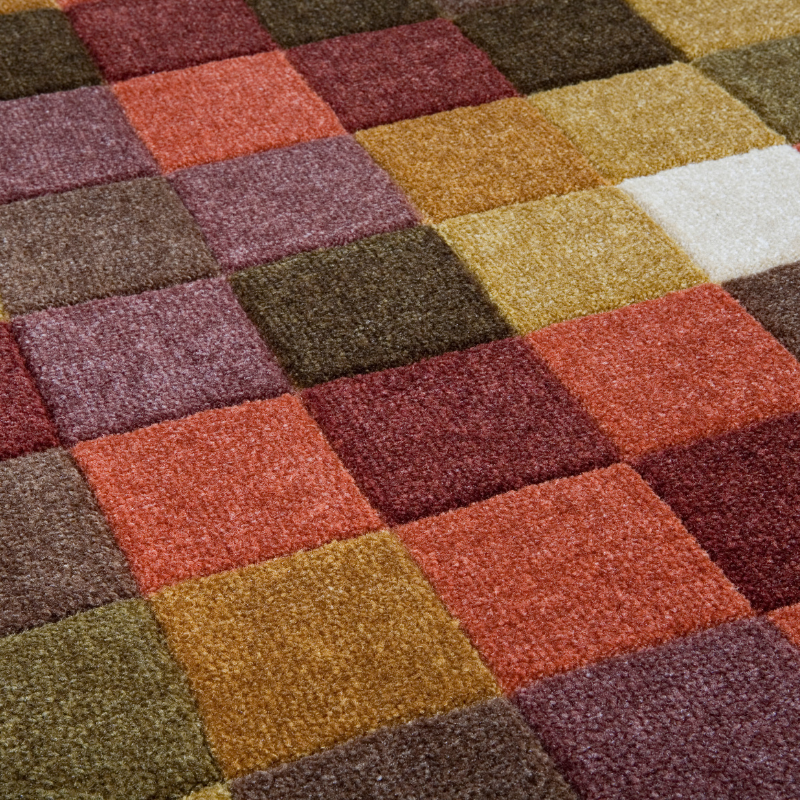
x: 399, y: 399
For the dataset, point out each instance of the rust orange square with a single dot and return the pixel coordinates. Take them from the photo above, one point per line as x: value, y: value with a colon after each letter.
x: 224, y: 109
x: 222, y: 489
x: 559, y: 575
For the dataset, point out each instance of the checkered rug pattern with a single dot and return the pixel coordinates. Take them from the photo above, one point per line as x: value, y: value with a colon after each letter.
x: 399, y: 399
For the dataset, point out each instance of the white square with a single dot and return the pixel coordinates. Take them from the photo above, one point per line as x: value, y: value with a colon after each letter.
x: 736, y: 216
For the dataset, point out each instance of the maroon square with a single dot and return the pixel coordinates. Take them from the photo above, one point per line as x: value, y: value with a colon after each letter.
x: 739, y: 496
x: 135, y: 37
x: 24, y: 424
x: 456, y: 429
x: 376, y: 78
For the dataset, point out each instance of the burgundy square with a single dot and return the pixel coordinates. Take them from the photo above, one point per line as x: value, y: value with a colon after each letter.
x: 270, y: 205
x: 24, y: 424
x: 739, y: 496
x: 114, y: 365
x: 135, y: 37
x: 456, y: 429
x: 410, y: 71
x: 57, y: 142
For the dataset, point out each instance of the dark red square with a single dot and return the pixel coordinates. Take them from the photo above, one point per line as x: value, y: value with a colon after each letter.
x: 410, y: 71
x: 24, y: 424
x: 456, y: 429
x: 135, y: 37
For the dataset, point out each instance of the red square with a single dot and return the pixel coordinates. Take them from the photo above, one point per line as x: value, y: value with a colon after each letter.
x: 224, y: 109
x: 560, y: 575
x: 135, y: 37
x: 222, y: 489
x: 376, y: 78
x: 673, y: 370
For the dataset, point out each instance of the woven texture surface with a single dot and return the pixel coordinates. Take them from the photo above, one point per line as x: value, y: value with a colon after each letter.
x: 399, y: 399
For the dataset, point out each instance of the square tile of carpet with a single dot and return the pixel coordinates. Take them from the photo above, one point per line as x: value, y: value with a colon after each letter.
x: 456, y: 429
x: 644, y: 122
x: 224, y: 109
x: 57, y: 142
x: 565, y: 257
x: 25, y: 425
x: 115, y: 365
x: 736, y: 216
x: 766, y: 77
x: 57, y: 554
x: 542, y: 44
x: 738, y: 495
x: 113, y: 713
x: 566, y: 573
x: 39, y: 52
x: 297, y: 22
x: 372, y: 79
x: 221, y: 489
x: 267, y: 206
x: 96, y: 242
x: 699, y: 27
x: 788, y: 622
x: 486, y: 750
x: 128, y: 38
x: 773, y: 298
x: 305, y: 652
x: 475, y: 159
x: 378, y: 303
x: 671, y: 371
x: 631, y: 727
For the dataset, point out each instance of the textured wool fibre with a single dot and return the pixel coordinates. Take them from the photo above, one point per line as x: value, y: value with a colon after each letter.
x: 671, y: 371
x: 40, y: 52
x: 699, y: 27
x: 134, y: 37
x: 305, y: 652
x: 483, y: 751
x: 378, y: 303
x: 560, y: 575
x: 542, y: 44
x: 25, y: 426
x: 113, y: 714
x: 57, y: 142
x: 377, y: 78
x: 739, y: 496
x: 267, y: 206
x: 648, y: 121
x: 217, y: 792
x: 221, y: 489
x: 98, y: 242
x: 788, y: 620
x: 224, y: 109
x: 766, y: 77
x: 456, y: 429
x: 57, y: 554
x: 475, y: 159
x: 565, y: 257
x: 716, y: 714
x: 736, y: 216
x: 126, y: 362
x: 297, y: 22
x: 11, y: 6
x: 773, y: 298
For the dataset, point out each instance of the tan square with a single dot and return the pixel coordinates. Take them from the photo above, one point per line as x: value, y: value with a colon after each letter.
x: 644, y: 122
x: 479, y: 158
x: 699, y: 27
x: 302, y: 653
x: 566, y: 257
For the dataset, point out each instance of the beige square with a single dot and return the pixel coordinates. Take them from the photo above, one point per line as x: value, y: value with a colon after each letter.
x: 566, y: 257
x: 645, y: 122
x: 478, y: 158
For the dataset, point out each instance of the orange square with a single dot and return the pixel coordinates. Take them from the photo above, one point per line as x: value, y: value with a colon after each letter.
x: 559, y: 575
x: 222, y: 489
x: 224, y: 109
